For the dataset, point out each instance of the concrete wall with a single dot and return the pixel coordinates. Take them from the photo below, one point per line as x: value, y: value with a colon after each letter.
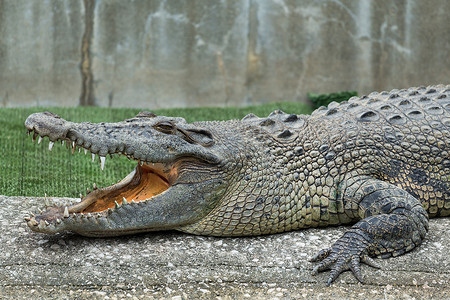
x: 190, y: 53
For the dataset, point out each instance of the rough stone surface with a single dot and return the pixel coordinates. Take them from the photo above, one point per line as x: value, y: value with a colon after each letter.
x: 179, y: 266
x: 190, y: 53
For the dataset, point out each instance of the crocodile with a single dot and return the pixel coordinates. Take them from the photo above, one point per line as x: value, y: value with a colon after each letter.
x: 379, y: 163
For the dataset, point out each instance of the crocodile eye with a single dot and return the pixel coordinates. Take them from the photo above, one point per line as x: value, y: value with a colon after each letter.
x: 165, y: 127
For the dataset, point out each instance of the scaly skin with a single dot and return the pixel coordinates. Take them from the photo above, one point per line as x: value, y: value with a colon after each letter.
x: 380, y: 162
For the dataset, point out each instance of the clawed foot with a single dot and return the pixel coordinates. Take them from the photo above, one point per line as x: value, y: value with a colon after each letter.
x: 342, y: 256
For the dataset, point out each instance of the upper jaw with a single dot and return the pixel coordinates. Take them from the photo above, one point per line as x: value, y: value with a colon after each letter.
x: 135, y: 138
x: 94, y: 138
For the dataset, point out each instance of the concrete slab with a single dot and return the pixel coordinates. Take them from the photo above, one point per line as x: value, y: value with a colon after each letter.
x: 180, y: 266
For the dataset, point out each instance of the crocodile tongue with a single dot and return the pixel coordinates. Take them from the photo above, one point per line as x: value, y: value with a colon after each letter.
x: 142, y: 184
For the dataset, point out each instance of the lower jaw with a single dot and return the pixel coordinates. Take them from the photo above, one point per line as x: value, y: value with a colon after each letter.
x: 142, y: 184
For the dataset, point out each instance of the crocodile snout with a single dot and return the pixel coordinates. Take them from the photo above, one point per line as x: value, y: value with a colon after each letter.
x: 47, y: 124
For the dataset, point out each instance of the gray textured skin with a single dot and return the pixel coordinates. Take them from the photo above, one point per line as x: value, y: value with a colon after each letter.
x: 380, y: 162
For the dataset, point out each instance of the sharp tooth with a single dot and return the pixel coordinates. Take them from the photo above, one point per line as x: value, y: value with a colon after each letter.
x: 34, y: 222
x: 85, y: 151
x: 87, y: 191
x: 102, y: 161
x: 62, y: 142
x: 73, y: 144
x: 58, y: 221
x: 124, y: 201
x: 117, y: 204
x: 89, y: 215
x: 95, y: 186
x: 79, y: 150
x: 81, y: 196
x: 27, y: 219
x: 40, y: 210
x: 40, y: 139
x: 46, y: 200
x: 93, y: 157
x: 50, y: 145
x: 66, y: 212
x: 46, y: 223
x: 133, y: 202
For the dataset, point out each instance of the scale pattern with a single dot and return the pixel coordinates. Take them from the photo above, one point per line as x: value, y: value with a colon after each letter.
x: 380, y: 162
x: 400, y: 138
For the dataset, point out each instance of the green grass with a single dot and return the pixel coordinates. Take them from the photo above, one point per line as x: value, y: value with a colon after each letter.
x: 29, y: 169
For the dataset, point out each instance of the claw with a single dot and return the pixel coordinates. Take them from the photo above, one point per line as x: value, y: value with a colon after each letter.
x: 370, y: 261
x: 355, y: 267
x: 321, y: 255
x: 339, y: 267
x: 323, y: 265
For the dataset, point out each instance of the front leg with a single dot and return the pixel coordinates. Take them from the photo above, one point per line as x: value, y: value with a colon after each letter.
x: 392, y: 222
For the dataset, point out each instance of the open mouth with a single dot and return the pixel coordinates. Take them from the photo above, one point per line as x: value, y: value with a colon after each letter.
x: 146, y: 181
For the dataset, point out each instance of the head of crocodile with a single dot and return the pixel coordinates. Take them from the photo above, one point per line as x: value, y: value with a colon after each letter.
x: 178, y: 179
